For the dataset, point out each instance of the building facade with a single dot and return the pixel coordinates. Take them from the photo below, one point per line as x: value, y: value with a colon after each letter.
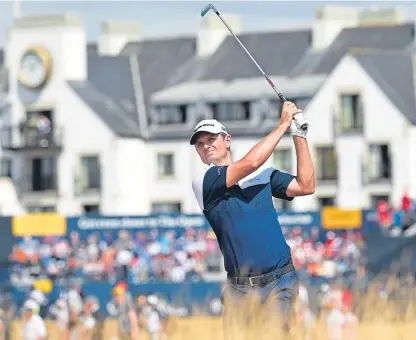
x: 105, y: 127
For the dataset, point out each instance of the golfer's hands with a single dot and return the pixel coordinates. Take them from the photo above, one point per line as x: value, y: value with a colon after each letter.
x: 295, y: 127
x: 289, y: 110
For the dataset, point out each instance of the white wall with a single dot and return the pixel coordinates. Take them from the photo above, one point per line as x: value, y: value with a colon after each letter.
x: 9, y: 202
x: 380, y: 116
x: 84, y: 133
x: 179, y: 187
x: 129, y: 178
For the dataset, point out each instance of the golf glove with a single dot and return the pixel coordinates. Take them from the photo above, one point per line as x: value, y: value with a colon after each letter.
x: 295, y: 128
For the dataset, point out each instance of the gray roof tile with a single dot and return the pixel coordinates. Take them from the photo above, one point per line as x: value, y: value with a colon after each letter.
x: 393, y: 73
x: 159, y: 59
x: 378, y: 37
x: 106, y: 108
x: 113, y: 77
x: 276, y: 52
x: 92, y: 49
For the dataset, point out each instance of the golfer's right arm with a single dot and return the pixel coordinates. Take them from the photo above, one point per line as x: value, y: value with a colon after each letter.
x: 261, y: 152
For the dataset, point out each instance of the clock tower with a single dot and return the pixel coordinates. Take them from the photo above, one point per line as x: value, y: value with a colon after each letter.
x: 44, y: 52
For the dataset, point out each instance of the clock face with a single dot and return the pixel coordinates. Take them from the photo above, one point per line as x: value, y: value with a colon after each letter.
x: 33, y: 70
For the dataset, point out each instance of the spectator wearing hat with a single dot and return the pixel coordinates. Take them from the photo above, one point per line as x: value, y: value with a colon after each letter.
x: 123, y: 308
x: 34, y: 327
x: 153, y: 318
x: 91, y: 321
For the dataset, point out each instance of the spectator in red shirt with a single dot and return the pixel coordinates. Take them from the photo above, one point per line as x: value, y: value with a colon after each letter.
x: 407, y: 204
x: 384, y: 214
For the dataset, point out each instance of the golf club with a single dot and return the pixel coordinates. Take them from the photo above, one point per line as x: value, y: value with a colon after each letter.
x: 300, y: 120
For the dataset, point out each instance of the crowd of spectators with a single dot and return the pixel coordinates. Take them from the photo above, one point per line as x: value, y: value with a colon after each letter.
x: 137, y: 257
x: 142, y: 257
x: 328, y: 255
x: 182, y: 254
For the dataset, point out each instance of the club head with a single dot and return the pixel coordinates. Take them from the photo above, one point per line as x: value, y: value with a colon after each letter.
x: 205, y: 10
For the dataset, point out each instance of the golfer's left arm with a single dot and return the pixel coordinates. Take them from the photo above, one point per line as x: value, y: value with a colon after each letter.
x: 304, y: 183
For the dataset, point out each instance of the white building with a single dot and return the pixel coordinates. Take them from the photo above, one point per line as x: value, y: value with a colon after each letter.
x: 122, y: 110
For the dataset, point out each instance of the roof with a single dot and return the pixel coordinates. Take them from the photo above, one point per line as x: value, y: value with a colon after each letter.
x: 296, y: 62
x: 159, y: 59
x: 92, y: 49
x: 113, y: 77
x: 106, y: 108
x: 237, y: 90
x: 393, y: 71
x: 168, y: 70
x: 229, y: 61
x: 378, y: 37
x: 109, y: 91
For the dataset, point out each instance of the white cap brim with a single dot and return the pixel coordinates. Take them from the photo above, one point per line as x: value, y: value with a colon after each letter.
x: 207, y: 127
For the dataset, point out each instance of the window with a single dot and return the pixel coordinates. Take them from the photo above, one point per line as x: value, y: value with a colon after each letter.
x: 91, y: 172
x: 5, y: 167
x: 301, y: 102
x: 91, y: 209
x: 171, y: 114
x: 379, y: 163
x: 326, y: 201
x: 282, y: 160
x: 232, y: 111
x: 166, y: 208
x: 43, y: 174
x: 376, y: 198
x: 165, y: 165
x: 275, y: 106
x: 326, y: 164
x: 351, y: 113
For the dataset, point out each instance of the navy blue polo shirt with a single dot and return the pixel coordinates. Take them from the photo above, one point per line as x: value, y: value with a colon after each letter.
x: 244, y: 219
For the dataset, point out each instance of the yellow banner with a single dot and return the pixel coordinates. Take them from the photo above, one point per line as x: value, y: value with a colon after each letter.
x: 335, y: 218
x: 39, y: 224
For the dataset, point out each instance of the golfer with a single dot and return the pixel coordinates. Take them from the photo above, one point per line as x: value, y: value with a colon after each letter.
x: 236, y: 199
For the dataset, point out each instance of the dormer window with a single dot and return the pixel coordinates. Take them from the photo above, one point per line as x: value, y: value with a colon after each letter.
x: 171, y: 114
x: 232, y: 111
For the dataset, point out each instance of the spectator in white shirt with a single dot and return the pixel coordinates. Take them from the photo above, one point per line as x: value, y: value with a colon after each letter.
x: 34, y: 327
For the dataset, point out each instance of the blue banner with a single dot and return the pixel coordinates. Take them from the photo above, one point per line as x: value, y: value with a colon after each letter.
x: 96, y: 223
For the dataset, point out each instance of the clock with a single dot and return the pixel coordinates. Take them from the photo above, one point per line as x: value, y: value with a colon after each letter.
x: 35, y: 67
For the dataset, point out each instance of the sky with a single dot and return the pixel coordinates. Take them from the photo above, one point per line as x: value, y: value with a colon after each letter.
x: 167, y: 18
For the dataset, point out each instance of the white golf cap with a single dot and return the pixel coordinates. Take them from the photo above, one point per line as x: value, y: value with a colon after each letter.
x: 152, y: 300
x: 207, y: 125
x: 31, y: 305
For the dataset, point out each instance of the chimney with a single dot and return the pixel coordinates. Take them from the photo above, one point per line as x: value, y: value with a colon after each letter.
x: 115, y: 35
x: 373, y: 16
x: 329, y: 21
x: 212, y: 32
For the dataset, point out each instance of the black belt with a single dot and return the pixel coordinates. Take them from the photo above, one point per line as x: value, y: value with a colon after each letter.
x: 261, y: 280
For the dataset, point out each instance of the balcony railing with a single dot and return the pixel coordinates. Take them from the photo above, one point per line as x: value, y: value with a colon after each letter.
x: 30, y: 138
